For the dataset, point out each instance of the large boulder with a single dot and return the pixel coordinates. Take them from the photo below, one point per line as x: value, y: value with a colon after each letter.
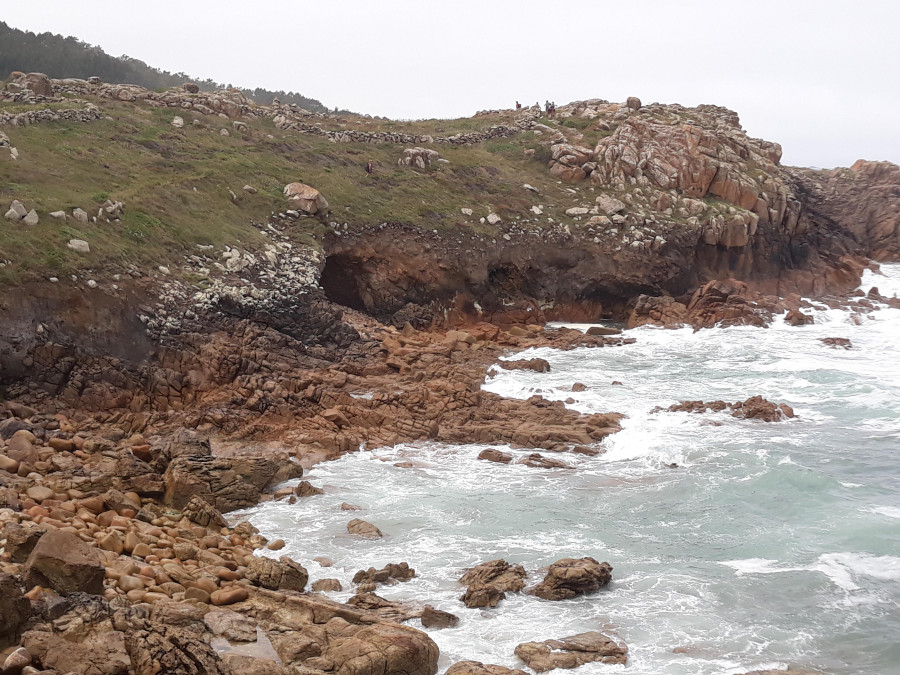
x: 378, y: 650
x: 306, y: 199
x: 37, y: 82
x: 571, y: 652
x: 66, y: 564
x: 497, y: 573
x: 488, y: 583
x: 571, y: 577
x: 225, y: 484
x: 282, y: 574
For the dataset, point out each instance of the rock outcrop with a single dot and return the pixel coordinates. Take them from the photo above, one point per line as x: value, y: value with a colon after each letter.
x: 488, y: 583
x: 571, y: 652
x: 754, y: 408
x: 571, y: 577
x: 864, y: 199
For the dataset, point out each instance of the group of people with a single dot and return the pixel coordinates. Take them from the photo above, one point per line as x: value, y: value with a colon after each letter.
x: 549, y: 108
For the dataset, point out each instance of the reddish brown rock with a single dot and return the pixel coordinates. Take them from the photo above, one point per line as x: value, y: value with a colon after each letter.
x: 755, y: 407
x: 306, y: 489
x: 571, y: 577
x: 837, y: 343
x: 229, y: 596
x: 380, y: 649
x: 798, y: 318
x: 361, y: 528
x: 571, y: 652
x: 494, y: 455
x: 537, y: 365
x: 14, y: 610
x: 323, y: 585
x: 488, y: 583
x: 538, y: 461
x: 436, y: 618
x: 66, y: 564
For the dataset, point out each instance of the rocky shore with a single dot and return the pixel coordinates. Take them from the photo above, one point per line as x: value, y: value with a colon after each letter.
x: 143, y: 404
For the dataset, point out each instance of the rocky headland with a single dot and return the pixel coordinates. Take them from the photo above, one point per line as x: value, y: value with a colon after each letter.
x: 156, y: 376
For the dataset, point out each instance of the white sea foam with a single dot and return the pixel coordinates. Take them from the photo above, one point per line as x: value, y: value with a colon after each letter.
x: 748, y: 554
x: 889, y: 511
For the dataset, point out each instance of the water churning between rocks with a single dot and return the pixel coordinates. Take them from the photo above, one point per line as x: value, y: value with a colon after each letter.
x: 735, y: 544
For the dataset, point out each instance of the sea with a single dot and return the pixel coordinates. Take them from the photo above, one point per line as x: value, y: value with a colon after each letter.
x: 736, y: 545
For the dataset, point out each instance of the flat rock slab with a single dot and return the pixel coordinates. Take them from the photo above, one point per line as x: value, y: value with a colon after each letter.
x: 571, y: 652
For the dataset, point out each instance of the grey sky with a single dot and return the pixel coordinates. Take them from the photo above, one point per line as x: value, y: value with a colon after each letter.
x: 818, y: 76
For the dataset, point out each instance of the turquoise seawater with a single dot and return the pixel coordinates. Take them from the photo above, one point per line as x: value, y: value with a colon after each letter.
x: 768, y: 545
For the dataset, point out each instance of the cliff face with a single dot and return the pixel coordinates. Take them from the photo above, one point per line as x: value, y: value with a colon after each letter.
x: 621, y: 201
x: 863, y: 200
x: 668, y: 199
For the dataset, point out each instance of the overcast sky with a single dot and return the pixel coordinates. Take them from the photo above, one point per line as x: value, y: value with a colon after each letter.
x: 818, y: 76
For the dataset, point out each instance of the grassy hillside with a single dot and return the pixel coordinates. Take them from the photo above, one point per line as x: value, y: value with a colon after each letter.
x: 176, y: 184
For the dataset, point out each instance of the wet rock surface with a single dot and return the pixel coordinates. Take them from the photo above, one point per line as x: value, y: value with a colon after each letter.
x: 754, y: 408
x: 571, y: 652
x: 571, y: 577
x: 487, y: 583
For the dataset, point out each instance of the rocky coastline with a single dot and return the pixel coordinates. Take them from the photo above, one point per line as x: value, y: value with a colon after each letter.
x: 141, y: 408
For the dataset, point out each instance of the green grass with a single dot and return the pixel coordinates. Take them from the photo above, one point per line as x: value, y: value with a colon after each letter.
x: 175, y: 184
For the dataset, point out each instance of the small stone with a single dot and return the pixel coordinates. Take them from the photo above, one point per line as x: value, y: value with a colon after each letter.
x: 8, y: 464
x: 130, y: 583
x: 467, y: 212
x: 80, y: 216
x: 39, y: 493
x: 197, y: 594
x: 224, y: 132
x: 31, y: 218
x: 494, y: 219
x: 249, y: 189
x: 91, y: 283
x: 276, y: 545
x: 178, y: 122
x: 61, y: 444
x: 142, y: 551
x: 58, y: 215
x: 112, y: 542
x: 131, y: 542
